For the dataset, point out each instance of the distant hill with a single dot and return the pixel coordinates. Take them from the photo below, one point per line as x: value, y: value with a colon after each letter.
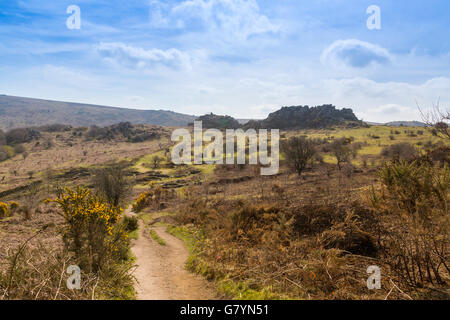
x: 26, y: 112
x: 305, y: 117
x: 405, y: 124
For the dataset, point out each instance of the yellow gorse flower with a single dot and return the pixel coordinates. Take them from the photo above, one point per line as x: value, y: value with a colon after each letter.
x: 4, y: 210
x: 81, y: 205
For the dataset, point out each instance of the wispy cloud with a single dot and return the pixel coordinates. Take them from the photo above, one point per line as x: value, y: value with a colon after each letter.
x: 239, y: 19
x: 127, y: 56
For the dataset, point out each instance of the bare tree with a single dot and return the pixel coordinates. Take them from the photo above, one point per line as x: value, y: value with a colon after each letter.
x: 113, y: 183
x: 341, y: 150
x: 298, y: 151
x: 438, y: 119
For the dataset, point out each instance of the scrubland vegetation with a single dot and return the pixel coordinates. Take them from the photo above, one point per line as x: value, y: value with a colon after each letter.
x: 344, y: 199
x: 361, y: 199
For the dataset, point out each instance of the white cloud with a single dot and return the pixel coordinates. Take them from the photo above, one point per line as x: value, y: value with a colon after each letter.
x: 371, y: 100
x: 131, y: 57
x: 232, y: 19
x: 355, y: 53
x: 387, y: 101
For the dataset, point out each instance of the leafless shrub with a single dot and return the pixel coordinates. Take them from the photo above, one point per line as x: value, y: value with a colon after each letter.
x: 113, y: 183
x: 399, y: 151
x: 438, y: 119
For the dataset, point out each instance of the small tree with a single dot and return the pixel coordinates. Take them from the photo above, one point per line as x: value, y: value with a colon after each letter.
x: 30, y: 201
x: 156, y: 160
x: 341, y: 150
x: 298, y: 151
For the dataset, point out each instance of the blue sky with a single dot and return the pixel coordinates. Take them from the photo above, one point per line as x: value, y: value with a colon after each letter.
x: 244, y: 58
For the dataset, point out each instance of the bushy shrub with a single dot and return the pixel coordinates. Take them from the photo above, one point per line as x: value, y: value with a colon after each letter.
x: 3, y: 154
x: 348, y: 236
x: 113, y: 183
x: 130, y: 223
x: 92, y: 232
x: 414, y: 196
x: 2, y: 138
x: 399, y: 151
x: 4, y: 210
x: 416, y: 188
x: 440, y: 155
x: 18, y: 149
x: 14, y: 205
x: 54, y: 128
x: 152, y: 198
x: 6, y: 152
x: 21, y: 135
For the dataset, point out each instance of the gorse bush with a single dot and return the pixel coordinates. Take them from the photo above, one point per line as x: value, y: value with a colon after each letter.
x: 141, y: 202
x: 14, y: 205
x: 417, y: 188
x: 93, y: 238
x: 414, y: 198
x: 92, y: 230
x: 153, y: 198
x: 4, y: 210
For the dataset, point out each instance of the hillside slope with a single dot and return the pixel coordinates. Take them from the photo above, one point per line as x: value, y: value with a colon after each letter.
x: 25, y: 112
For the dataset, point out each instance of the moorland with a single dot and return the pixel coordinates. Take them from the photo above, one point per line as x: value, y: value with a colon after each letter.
x: 348, y: 196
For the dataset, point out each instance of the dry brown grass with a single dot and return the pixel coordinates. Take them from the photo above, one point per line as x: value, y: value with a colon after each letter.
x: 67, y: 152
x: 307, y: 238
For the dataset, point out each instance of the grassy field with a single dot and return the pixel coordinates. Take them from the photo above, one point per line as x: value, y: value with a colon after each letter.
x: 374, y: 138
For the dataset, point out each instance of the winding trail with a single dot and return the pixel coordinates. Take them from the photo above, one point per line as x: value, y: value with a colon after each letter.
x: 160, y: 272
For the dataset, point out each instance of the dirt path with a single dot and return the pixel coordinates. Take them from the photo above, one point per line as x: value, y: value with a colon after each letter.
x: 160, y: 272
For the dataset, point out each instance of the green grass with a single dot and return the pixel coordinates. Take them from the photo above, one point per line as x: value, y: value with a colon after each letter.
x: 157, y: 238
x: 185, y: 234
x: 134, y: 234
x: 150, y: 216
x: 147, y: 160
x: 241, y: 291
x: 372, y: 147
